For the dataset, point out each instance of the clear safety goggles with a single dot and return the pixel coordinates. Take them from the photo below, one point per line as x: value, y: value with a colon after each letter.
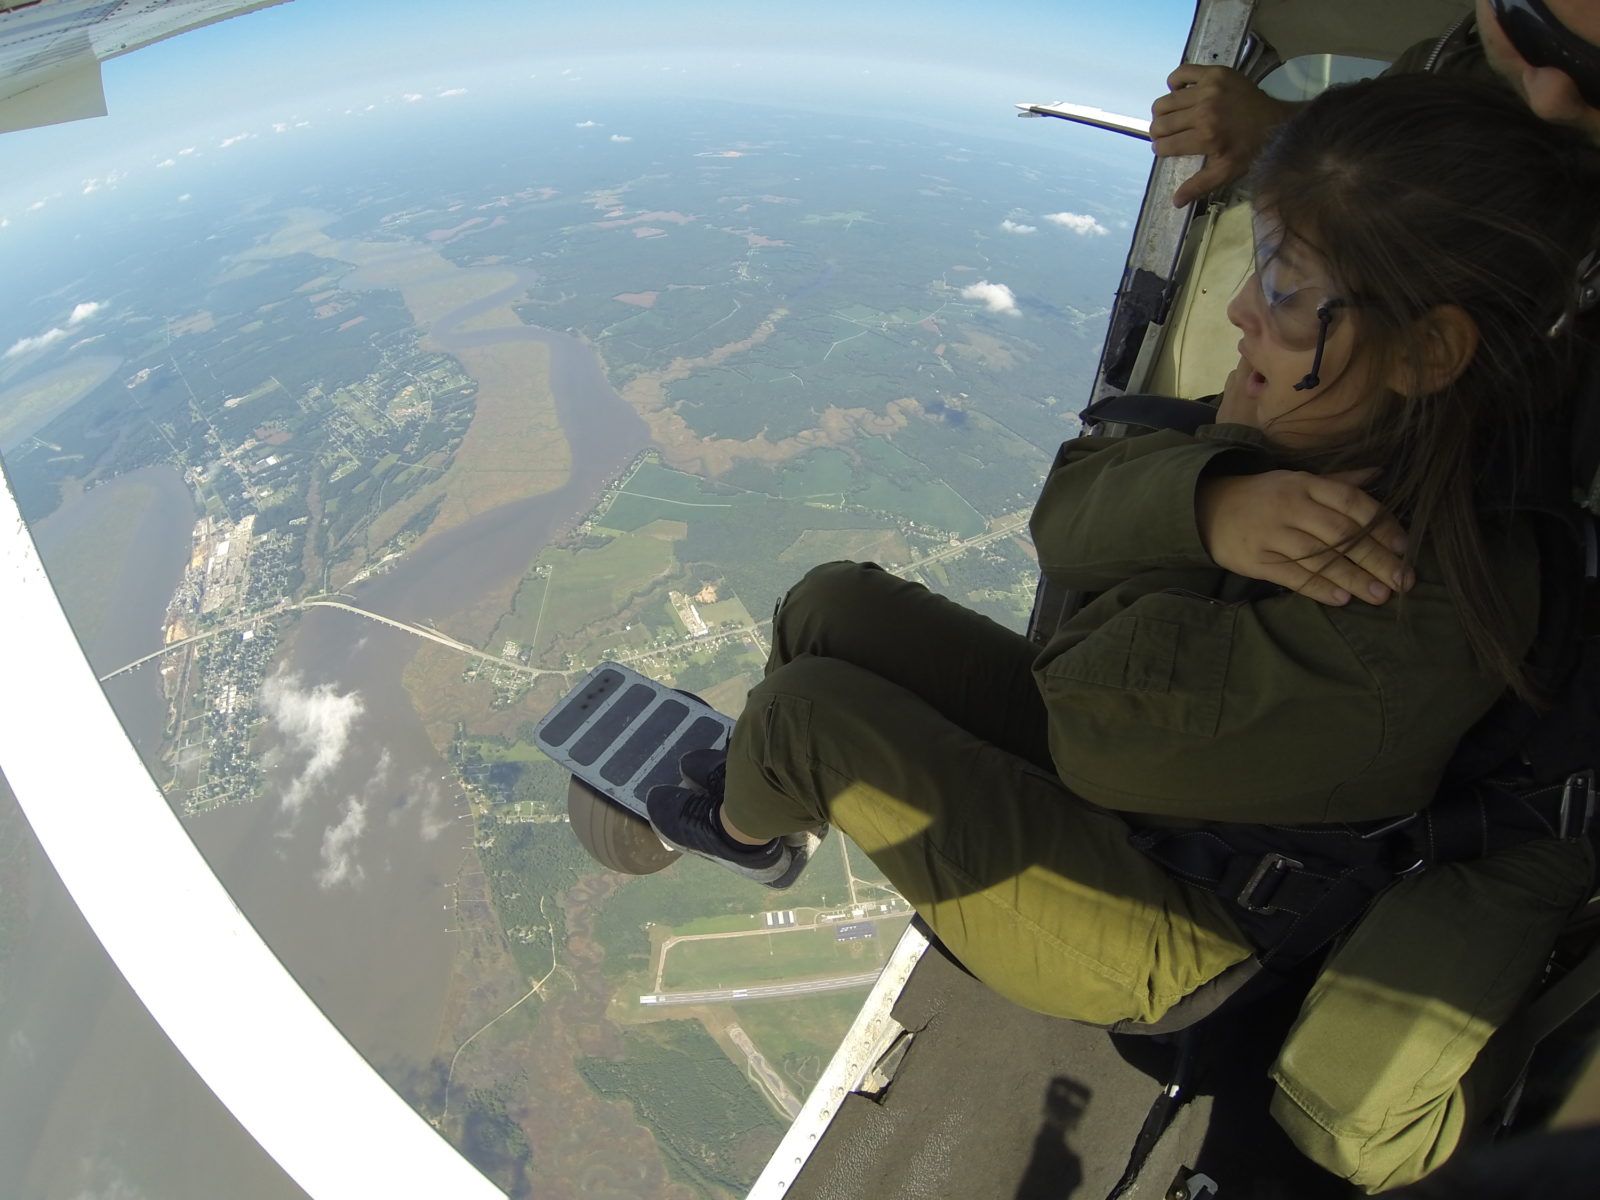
x: 1299, y: 308
x: 1543, y: 41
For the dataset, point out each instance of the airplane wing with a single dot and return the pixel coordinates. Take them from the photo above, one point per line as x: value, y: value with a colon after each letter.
x: 50, y: 53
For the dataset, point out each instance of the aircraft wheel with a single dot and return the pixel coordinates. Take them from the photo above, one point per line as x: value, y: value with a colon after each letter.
x: 613, y: 836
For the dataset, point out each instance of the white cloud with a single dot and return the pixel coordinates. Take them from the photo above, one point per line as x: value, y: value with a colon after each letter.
x: 183, y: 198
x: 996, y: 296
x: 315, y: 723
x: 280, y: 127
x: 411, y: 97
x: 187, y: 150
x: 103, y: 1181
x: 621, y: 137
x: 585, y: 125
x: 167, y: 162
x: 428, y: 798
x: 301, y: 124
x: 24, y: 345
x: 1011, y: 226
x: 4, y: 221
x: 90, y: 185
x: 454, y: 92
x: 1080, y: 223
x: 82, y: 312
x: 234, y: 140
x: 36, y: 206
x: 339, y: 847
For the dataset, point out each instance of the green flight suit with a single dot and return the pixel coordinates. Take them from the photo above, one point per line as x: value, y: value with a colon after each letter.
x: 986, y: 778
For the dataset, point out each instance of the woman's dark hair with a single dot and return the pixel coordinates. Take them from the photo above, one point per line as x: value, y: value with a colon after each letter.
x: 1418, y: 192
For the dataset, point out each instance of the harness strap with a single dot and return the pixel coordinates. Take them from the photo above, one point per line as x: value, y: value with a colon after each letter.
x: 1293, y: 889
x: 1501, y: 1062
x: 1149, y: 412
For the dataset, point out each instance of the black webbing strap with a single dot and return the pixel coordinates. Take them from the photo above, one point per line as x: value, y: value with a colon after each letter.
x: 1150, y: 412
x: 1561, y: 659
x: 1501, y: 1062
x: 1292, y: 889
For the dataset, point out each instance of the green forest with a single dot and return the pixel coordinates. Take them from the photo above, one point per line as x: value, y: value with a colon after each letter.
x: 714, y: 1128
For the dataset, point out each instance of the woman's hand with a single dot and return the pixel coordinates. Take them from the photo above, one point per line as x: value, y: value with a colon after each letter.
x: 1290, y: 528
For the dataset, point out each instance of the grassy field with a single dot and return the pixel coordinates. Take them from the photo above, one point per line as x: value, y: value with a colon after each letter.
x: 693, y: 890
x: 586, y: 583
x: 824, y: 473
x: 734, y: 923
x: 725, y: 610
x: 515, y: 446
x: 729, y: 695
x: 862, y: 545
x: 571, y: 588
x: 900, y: 484
x: 657, y: 493
x: 492, y: 751
x: 33, y: 404
x: 799, y: 1034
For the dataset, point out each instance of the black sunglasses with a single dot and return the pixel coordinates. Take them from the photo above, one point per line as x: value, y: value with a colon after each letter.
x: 1544, y: 41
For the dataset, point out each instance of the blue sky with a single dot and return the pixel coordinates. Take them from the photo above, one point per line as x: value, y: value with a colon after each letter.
x: 957, y: 64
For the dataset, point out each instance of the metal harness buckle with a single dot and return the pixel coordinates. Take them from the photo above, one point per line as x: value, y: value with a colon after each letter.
x: 1577, y: 805
x: 1267, y: 876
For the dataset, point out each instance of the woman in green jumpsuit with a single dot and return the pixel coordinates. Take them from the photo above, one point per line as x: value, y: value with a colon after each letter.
x: 1395, y: 337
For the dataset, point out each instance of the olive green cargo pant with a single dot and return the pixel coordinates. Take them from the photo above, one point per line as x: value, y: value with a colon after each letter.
x: 914, y: 726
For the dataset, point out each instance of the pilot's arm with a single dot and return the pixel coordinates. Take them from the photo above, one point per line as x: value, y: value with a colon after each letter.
x: 1217, y: 112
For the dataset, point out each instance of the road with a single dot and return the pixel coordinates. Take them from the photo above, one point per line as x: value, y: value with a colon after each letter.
x: 752, y: 632
x: 764, y: 991
x: 241, y: 623
x: 422, y: 631
x: 538, y: 986
x: 1010, y: 527
x: 433, y: 635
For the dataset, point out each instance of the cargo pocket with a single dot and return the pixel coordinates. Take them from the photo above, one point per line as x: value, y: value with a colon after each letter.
x: 1167, y: 654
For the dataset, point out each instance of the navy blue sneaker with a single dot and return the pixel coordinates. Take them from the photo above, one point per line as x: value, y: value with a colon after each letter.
x: 706, y: 769
x: 689, y: 820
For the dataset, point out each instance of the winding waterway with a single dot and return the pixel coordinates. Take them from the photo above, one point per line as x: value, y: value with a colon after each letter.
x: 349, y: 883
x: 374, y: 950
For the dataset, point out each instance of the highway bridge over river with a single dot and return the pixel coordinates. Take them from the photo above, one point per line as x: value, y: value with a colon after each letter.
x: 422, y: 631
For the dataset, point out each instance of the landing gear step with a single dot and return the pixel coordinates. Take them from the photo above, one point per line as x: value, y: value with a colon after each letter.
x: 621, y: 734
